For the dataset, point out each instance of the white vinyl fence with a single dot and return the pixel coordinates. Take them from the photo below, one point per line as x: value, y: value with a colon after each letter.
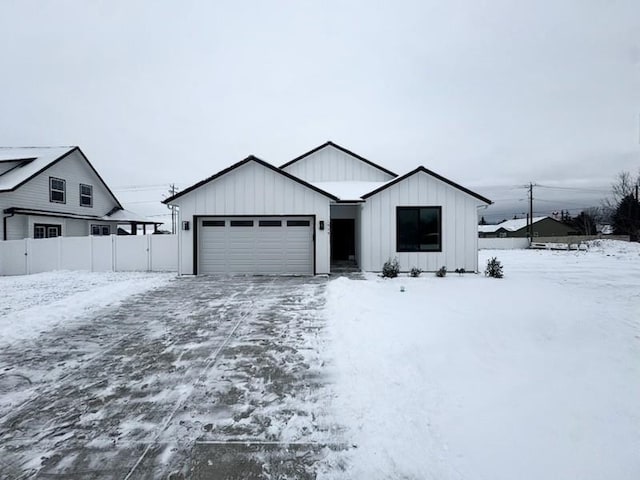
x: 503, y: 243
x: 115, y: 253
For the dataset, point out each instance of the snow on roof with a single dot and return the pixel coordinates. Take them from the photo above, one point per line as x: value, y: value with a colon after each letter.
x: 34, y: 159
x: 127, y: 216
x: 510, y: 225
x: 346, y: 191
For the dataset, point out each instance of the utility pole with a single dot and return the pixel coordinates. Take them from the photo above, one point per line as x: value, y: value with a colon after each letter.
x: 172, y: 192
x: 530, y: 222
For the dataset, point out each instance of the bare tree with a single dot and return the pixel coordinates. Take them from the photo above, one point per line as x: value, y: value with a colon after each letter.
x: 623, y: 186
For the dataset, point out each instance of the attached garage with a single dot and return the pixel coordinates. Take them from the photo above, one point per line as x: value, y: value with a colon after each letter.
x: 261, y: 245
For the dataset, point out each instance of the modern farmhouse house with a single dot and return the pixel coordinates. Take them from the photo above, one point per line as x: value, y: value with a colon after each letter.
x: 55, y: 191
x: 325, y: 206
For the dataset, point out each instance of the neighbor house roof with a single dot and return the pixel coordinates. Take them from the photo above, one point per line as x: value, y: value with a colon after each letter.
x: 342, y: 149
x: 116, y: 215
x: 250, y: 158
x: 31, y: 161
x: 509, y: 225
x: 428, y: 172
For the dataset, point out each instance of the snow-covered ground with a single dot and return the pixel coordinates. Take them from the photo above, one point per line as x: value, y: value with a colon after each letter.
x: 32, y: 304
x: 536, y: 375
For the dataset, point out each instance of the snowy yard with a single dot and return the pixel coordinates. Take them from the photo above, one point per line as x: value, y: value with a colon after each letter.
x: 134, y: 375
x: 536, y: 375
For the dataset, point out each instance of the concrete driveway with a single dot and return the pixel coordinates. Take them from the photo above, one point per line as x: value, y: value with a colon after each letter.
x: 205, y: 378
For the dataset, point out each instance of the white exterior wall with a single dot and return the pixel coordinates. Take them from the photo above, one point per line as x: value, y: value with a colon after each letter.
x: 459, y: 225
x: 333, y: 165
x: 35, y: 195
x: 253, y: 189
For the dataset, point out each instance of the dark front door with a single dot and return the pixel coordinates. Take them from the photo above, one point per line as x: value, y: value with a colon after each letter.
x: 343, y: 238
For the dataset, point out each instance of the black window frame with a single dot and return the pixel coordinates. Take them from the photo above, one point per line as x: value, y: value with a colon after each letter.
x: 57, y: 190
x: 418, y: 228
x: 241, y: 223
x: 84, y: 195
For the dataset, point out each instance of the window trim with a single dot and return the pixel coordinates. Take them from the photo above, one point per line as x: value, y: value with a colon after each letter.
x: 90, y: 195
x: 100, y: 226
x: 46, y: 227
x: 63, y: 191
x: 438, y: 208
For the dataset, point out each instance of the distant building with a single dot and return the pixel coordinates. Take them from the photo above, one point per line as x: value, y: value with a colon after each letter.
x: 542, y: 227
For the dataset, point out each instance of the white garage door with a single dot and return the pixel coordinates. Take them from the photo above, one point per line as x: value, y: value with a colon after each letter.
x: 260, y: 245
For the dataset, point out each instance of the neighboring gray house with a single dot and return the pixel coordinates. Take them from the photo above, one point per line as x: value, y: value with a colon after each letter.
x: 325, y: 206
x: 542, y: 227
x: 55, y: 191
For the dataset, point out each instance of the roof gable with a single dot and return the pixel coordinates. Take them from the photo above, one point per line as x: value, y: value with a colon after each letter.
x: 250, y: 158
x: 422, y: 169
x: 32, y: 161
x: 344, y: 151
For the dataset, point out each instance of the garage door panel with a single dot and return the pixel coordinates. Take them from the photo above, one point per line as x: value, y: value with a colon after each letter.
x: 281, y: 245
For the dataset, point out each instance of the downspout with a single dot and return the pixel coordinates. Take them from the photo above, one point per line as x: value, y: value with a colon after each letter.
x: 4, y: 225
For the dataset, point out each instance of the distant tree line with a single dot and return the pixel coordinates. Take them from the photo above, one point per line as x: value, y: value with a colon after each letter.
x: 623, y: 208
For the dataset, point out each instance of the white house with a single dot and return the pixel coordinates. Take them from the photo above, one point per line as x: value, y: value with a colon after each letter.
x: 322, y: 207
x: 55, y: 191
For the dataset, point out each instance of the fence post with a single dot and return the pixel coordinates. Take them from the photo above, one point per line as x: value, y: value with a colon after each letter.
x: 114, y: 253
x: 27, y: 256
x: 149, y: 253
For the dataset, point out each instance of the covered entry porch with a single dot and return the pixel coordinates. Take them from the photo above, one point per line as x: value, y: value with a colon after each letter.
x: 345, y: 242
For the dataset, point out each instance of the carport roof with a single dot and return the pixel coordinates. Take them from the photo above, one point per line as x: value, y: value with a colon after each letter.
x: 250, y: 158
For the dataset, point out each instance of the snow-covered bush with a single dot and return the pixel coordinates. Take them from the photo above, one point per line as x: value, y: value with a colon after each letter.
x: 494, y: 268
x: 442, y: 272
x: 415, y: 272
x: 391, y: 268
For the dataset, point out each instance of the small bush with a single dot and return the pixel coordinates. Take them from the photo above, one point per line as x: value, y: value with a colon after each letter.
x: 460, y: 271
x: 391, y: 268
x: 442, y: 272
x: 494, y: 268
x: 415, y: 272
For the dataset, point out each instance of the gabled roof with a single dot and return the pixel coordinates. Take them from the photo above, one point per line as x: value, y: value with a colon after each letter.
x: 433, y: 174
x: 342, y: 149
x: 250, y: 158
x: 31, y: 161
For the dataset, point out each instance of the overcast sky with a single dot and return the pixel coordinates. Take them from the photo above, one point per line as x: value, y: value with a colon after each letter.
x: 486, y: 93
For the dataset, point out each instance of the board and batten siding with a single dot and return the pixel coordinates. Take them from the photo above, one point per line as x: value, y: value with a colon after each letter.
x: 333, y: 165
x: 253, y: 190
x: 459, y: 225
x: 34, y: 194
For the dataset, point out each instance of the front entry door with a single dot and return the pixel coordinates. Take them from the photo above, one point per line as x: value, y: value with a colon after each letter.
x: 343, y: 238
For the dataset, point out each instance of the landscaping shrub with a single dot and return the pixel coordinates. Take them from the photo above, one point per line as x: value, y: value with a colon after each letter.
x: 391, y: 268
x: 494, y: 268
x: 442, y: 272
x: 415, y: 272
x: 460, y: 271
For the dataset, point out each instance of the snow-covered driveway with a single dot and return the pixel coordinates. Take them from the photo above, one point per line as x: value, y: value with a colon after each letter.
x: 182, y: 381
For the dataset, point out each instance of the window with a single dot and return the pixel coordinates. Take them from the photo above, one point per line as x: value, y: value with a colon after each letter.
x: 42, y: 230
x: 270, y: 223
x: 241, y: 223
x: 419, y: 229
x: 100, y: 230
x: 57, y: 190
x: 213, y: 223
x: 298, y: 223
x: 86, y: 195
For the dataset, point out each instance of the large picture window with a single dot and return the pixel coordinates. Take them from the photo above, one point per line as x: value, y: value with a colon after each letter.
x: 419, y: 229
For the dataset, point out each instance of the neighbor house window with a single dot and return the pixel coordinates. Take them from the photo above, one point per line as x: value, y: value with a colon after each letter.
x: 86, y: 195
x: 419, y: 229
x: 42, y: 230
x: 100, y: 230
x: 57, y: 190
